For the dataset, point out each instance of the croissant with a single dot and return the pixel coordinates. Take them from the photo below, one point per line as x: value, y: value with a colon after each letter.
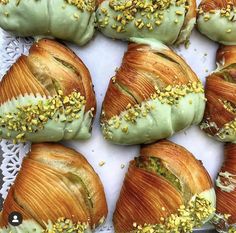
x: 55, y: 189
x: 217, y: 20
x: 165, y: 190
x: 153, y: 95
x: 225, y: 219
x: 47, y: 96
x: 220, y: 115
x: 64, y: 19
x: 169, y: 21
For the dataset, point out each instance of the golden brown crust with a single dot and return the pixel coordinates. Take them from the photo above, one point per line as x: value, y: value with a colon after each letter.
x: 147, y: 196
x: 225, y: 201
x: 54, y: 182
x: 208, y: 5
x: 142, y: 199
x: 50, y: 66
x: 142, y: 71
x: 218, y: 85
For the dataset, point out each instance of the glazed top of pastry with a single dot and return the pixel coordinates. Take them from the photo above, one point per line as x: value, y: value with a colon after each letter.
x: 220, y: 114
x: 44, y: 93
x: 50, y: 18
x: 151, y: 81
x: 147, y: 19
x: 217, y: 20
x: 166, y: 189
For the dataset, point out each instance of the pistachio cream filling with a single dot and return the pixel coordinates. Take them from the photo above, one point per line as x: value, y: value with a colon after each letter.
x: 186, y: 219
x: 169, y: 110
x: 219, y: 25
x: 138, y: 18
x: 156, y: 165
x: 62, y: 225
x: 22, y: 117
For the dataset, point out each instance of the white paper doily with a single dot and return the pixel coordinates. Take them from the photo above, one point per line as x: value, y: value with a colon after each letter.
x: 102, y: 63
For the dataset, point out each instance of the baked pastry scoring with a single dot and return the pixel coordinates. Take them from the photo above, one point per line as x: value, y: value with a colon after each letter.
x: 225, y: 219
x: 56, y: 190
x: 169, y: 21
x: 153, y: 95
x: 165, y: 190
x: 217, y: 20
x: 47, y: 96
x: 220, y: 115
x: 64, y: 19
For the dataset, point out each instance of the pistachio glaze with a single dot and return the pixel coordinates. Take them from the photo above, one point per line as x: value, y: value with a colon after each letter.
x: 119, y: 20
x: 219, y: 25
x: 160, y: 121
x: 55, y: 126
x: 61, y: 225
x: 199, y: 210
x: 67, y: 20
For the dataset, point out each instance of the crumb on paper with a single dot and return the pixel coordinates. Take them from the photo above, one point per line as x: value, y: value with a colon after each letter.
x: 122, y: 166
x: 101, y: 163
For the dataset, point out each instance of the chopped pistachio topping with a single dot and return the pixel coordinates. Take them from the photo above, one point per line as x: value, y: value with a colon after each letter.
x: 188, y: 217
x: 226, y: 182
x: 141, y: 13
x: 228, y: 13
x: 82, y: 5
x: 228, y: 106
x: 169, y: 95
x: 33, y: 117
x: 157, y: 166
x: 64, y: 225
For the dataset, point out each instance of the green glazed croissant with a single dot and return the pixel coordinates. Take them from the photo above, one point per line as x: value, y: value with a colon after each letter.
x: 166, y: 190
x: 47, y: 96
x: 217, y: 20
x: 169, y: 21
x: 64, y: 19
x: 153, y: 95
x: 55, y: 191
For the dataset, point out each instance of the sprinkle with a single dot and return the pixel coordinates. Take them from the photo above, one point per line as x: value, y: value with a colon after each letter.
x: 122, y: 166
x: 101, y: 163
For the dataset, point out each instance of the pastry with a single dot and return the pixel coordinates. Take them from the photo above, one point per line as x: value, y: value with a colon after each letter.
x: 225, y: 219
x: 153, y: 95
x: 217, y: 20
x: 165, y: 190
x: 55, y: 189
x: 47, y: 96
x: 169, y: 21
x: 220, y: 115
x: 64, y: 19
